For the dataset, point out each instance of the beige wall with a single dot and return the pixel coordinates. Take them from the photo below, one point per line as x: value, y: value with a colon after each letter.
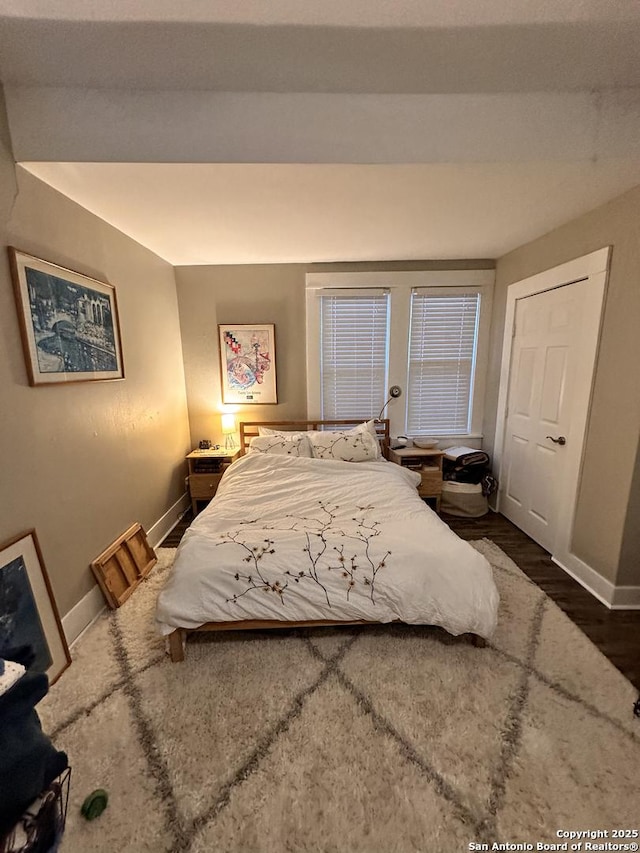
x: 240, y: 294
x: 81, y: 462
x: 605, y: 535
x: 274, y: 293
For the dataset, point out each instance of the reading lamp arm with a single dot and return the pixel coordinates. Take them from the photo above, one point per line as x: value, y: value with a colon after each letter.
x: 394, y: 392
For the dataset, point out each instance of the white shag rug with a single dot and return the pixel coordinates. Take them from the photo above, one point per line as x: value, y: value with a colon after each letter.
x: 354, y: 740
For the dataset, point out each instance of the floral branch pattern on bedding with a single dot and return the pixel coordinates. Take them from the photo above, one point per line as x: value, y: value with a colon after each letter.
x: 352, y: 446
x: 280, y: 445
x: 304, y: 539
x: 324, y: 549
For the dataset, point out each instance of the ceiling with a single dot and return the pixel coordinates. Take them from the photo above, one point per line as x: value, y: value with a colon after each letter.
x: 279, y: 213
x: 323, y: 206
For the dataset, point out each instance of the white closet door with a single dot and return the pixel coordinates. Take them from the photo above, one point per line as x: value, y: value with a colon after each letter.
x: 541, y: 396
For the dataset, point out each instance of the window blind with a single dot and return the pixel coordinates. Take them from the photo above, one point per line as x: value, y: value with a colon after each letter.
x: 354, y: 348
x: 442, y: 350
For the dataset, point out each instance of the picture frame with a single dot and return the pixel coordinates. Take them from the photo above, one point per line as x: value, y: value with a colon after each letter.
x: 28, y: 611
x: 248, y: 363
x: 69, y: 323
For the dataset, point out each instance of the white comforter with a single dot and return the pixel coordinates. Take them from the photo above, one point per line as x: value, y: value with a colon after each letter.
x: 304, y: 539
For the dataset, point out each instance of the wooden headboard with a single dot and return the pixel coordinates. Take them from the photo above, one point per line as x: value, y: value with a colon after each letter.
x: 249, y: 429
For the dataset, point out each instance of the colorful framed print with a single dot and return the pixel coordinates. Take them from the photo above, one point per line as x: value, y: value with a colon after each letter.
x: 28, y: 614
x: 248, y: 363
x: 69, y: 323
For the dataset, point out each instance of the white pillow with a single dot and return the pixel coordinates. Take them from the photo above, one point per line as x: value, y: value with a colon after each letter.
x: 280, y: 445
x: 266, y: 431
x: 354, y: 445
x: 369, y: 427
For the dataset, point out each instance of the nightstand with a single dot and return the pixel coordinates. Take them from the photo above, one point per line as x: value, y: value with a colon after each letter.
x: 206, y: 468
x: 427, y: 463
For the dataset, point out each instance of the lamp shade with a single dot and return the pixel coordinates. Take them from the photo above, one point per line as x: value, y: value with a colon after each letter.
x: 228, y: 424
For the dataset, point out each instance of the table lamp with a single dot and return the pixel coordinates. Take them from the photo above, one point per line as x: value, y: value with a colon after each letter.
x: 228, y: 430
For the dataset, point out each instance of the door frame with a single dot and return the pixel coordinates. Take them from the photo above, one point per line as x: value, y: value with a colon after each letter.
x: 592, y: 269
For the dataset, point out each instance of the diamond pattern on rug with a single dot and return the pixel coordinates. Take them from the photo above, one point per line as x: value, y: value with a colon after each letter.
x: 136, y: 621
x: 328, y: 641
x: 439, y: 699
x: 516, y: 610
x: 385, y: 738
x: 334, y: 783
x: 572, y: 771
x: 104, y: 753
x: 611, y: 694
x: 240, y: 689
x: 94, y: 673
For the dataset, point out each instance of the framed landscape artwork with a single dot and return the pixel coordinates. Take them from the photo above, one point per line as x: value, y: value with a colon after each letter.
x: 69, y: 323
x: 28, y: 614
x: 248, y: 363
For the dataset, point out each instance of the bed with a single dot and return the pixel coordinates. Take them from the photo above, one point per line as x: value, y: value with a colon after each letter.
x: 334, y: 536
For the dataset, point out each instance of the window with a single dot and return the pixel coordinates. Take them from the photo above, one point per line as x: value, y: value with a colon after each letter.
x: 442, y: 348
x: 424, y: 331
x: 353, y: 352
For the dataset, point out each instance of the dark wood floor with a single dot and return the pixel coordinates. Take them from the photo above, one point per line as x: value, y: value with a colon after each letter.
x: 615, y: 632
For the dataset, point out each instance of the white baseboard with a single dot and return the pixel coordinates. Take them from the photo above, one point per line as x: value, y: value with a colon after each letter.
x: 626, y: 598
x: 587, y: 577
x: 83, y: 614
x: 613, y: 597
x: 91, y: 606
x: 169, y: 520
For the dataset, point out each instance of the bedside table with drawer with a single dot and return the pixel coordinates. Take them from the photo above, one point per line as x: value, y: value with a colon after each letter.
x: 206, y: 468
x: 427, y: 463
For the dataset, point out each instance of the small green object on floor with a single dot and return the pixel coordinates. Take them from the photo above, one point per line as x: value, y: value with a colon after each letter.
x: 95, y: 804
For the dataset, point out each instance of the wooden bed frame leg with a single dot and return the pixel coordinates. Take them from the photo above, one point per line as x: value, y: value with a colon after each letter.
x: 478, y: 642
x: 176, y: 645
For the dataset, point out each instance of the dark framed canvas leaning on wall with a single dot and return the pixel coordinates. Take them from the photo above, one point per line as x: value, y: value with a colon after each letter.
x: 68, y: 321
x: 248, y: 363
x: 29, y: 618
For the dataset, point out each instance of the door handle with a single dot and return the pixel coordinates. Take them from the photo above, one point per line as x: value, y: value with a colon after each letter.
x: 560, y: 440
